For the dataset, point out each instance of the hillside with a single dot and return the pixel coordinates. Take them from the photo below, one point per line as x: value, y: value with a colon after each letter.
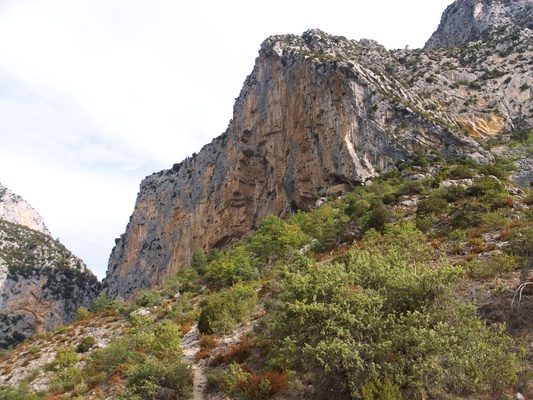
x: 398, y: 287
x: 42, y: 283
x: 362, y: 230
x: 319, y: 114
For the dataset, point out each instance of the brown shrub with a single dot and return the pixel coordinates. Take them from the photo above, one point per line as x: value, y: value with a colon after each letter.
x: 200, y: 355
x: 208, y: 342
x: 237, y: 352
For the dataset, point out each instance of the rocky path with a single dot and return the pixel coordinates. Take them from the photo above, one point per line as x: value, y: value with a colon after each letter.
x: 191, y: 345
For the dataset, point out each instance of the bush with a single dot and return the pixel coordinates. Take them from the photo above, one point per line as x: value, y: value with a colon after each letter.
x: 102, y: 303
x: 82, y: 314
x: 380, y: 388
x: 221, y: 312
x: 85, y: 344
x: 23, y: 392
x: 65, y: 357
x: 467, y: 215
x: 494, y: 266
x: 431, y: 206
x: 490, y: 169
x: 155, y: 379
x: 149, y: 298
x: 276, y: 238
x: 231, y: 267
x: 383, y: 321
x: 461, y: 172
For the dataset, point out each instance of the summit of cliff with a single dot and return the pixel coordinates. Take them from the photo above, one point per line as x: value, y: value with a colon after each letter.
x: 42, y: 284
x: 318, y: 113
x: 15, y: 209
x: 505, y: 23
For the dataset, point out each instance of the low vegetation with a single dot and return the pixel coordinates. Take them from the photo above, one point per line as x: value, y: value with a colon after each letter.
x: 399, y: 289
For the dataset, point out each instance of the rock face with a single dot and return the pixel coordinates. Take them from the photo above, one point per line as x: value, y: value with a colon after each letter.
x: 310, y: 117
x: 42, y: 284
x: 15, y: 209
x: 323, y: 113
x: 471, y: 20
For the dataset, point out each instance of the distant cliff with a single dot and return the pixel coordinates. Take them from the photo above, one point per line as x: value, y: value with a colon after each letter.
x: 318, y: 114
x: 502, y: 21
x: 15, y: 209
x: 42, y: 284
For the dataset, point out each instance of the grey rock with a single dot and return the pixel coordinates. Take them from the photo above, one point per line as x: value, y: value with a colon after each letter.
x: 467, y: 21
x: 317, y: 112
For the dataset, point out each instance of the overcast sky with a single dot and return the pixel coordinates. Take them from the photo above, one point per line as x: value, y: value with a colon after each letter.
x: 97, y: 94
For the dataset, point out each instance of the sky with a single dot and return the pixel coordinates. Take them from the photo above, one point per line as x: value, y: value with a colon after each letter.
x: 97, y: 94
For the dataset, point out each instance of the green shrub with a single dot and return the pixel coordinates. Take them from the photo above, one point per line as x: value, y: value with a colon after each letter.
x: 231, y: 267
x: 380, y: 388
x: 85, y: 344
x: 155, y: 379
x: 22, y: 392
x: 276, y: 238
x: 521, y: 240
x: 149, y: 298
x: 467, y: 215
x: 324, y: 224
x: 431, y: 205
x: 65, y: 357
x: 490, y: 169
x: 389, y: 311
x: 497, y: 219
x: 82, y: 314
x: 199, y: 261
x: 102, y: 303
x: 461, y: 172
x: 221, y: 312
x: 102, y: 362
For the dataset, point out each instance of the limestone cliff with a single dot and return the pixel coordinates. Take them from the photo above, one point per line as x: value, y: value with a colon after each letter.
x: 466, y: 21
x: 318, y: 113
x: 42, y: 284
x: 15, y: 209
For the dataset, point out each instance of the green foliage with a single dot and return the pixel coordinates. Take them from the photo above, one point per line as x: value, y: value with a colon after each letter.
x: 431, y: 205
x: 382, y: 321
x: 461, y: 172
x: 22, y: 392
x: 494, y: 266
x: 232, y: 266
x: 65, y: 357
x: 494, y: 170
x: 103, y: 362
x: 82, y: 314
x: 467, y: 215
x: 221, y: 312
x: 322, y: 224
x: 102, y: 303
x: 149, y: 298
x: 521, y: 240
x: 235, y: 378
x: 186, y: 280
x: 377, y: 216
x: 380, y: 388
x: 85, y: 344
x: 199, y: 261
x: 155, y: 379
x: 275, y: 238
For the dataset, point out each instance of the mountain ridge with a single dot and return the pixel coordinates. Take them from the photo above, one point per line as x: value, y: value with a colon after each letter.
x: 42, y: 284
x: 318, y: 113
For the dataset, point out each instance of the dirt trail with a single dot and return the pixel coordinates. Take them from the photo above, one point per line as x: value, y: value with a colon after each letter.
x: 190, y: 344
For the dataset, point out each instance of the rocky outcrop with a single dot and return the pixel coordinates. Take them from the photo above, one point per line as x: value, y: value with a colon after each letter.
x: 316, y: 114
x: 487, y: 20
x: 42, y: 284
x: 15, y: 209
